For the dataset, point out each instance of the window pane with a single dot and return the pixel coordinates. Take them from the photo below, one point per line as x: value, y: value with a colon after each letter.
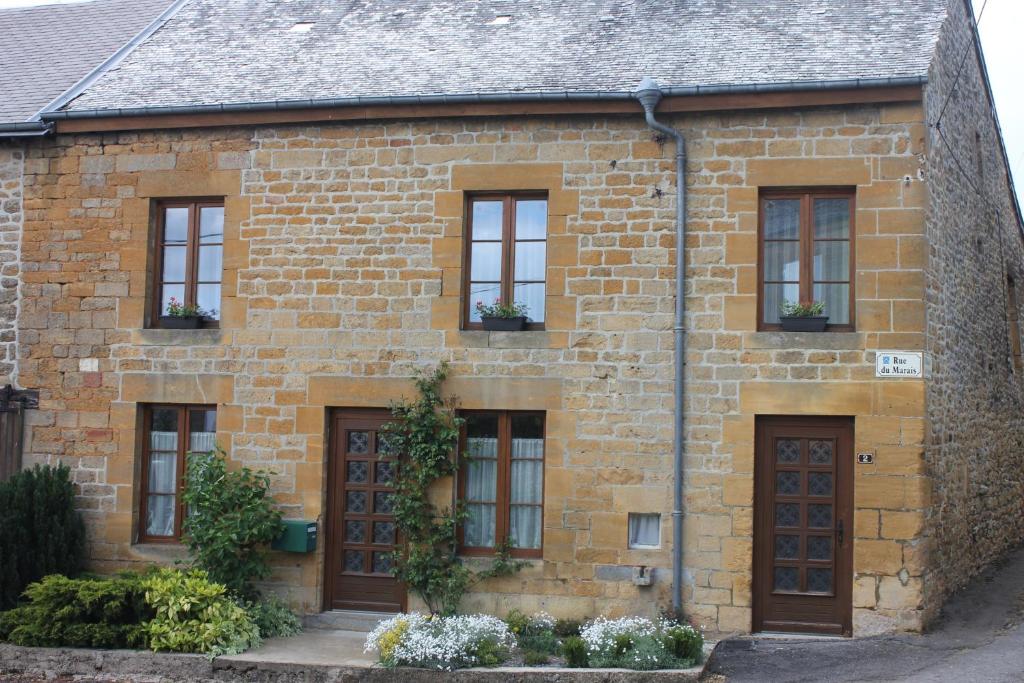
x: 208, y: 298
x: 524, y: 526
x: 531, y: 219
x: 485, y: 261
x: 644, y: 530
x: 202, y: 424
x: 527, y: 426
x: 160, y: 516
x: 837, y: 302
x: 483, y: 292
x: 832, y: 218
x: 176, y: 225
x: 531, y: 260
x: 782, y: 261
x: 174, y: 264
x: 781, y: 219
x: 487, y: 220
x: 774, y: 295
x: 527, y: 480
x: 482, y: 480
x: 168, y: 291
x: 478, y: 531
x: 210, y: 264
x: 533, y: 296
x: 165, y: 420
x: 211, y: 225
x: 163, y: 470
x: 832, y: 261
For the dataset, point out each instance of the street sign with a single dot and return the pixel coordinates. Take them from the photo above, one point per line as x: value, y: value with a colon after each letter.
x: 899, y: 364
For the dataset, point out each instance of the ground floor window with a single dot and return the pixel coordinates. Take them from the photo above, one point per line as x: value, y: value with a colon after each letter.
x: 170, y: 433
x: 502, y: 482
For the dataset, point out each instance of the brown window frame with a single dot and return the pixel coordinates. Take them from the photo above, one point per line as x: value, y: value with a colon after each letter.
x: 806, y: 197
x: 192, y: 255
x: 184, y: 410
x: 508, y: 241
x: 502, y: 503
x: 1013, y: 325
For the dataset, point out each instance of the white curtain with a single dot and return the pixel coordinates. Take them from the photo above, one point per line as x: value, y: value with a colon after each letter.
x: 481, y: 485
x: 160, y: 516
x: 644, y: 531
x: 527, y: 488
x: 201, y: 442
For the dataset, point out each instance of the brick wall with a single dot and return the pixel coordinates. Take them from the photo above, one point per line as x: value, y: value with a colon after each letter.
x: 342, y: 271
x: 975, y: 440
x: 11, y: 213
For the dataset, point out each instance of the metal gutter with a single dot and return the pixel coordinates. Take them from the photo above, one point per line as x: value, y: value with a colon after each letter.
x: 24, y: 129
x: 649, y: 94
x: 483, y: 98
x: 111, y: 61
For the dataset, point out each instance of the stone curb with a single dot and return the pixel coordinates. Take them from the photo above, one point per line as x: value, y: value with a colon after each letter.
x: 119, y: 664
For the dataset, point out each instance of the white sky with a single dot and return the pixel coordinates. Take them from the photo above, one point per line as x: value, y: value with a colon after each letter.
x: 1001, y: 40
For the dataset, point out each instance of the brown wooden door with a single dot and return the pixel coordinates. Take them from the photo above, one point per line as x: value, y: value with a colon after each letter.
x: 803, y: 525
x: 361, y: 529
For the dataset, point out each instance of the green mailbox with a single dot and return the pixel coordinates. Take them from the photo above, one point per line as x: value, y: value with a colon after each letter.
x: 299, y: 536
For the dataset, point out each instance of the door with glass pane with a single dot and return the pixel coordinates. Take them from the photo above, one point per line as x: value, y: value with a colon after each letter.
x: 361, y: 534
x: 803, y: 499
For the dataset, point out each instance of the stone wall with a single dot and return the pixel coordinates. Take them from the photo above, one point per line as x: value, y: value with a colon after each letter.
x: 975, y: 397
x: 342, y: 268
x: 11, y: 164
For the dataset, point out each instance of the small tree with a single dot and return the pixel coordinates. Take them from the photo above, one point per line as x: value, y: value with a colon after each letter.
x: 231, y: 518
x: 425, y: 436
x: 40, y: 531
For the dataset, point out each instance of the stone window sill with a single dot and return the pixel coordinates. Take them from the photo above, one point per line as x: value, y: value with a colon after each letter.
x: 158, y: 337
x: 830, y: 341
x: 526, y: 339
x: 164, y: 553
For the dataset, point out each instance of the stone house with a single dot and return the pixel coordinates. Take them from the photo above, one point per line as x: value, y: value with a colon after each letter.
x: 49, y: 54
x: 337, y: 184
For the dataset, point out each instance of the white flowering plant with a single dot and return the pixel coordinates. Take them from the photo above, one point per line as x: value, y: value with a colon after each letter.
x: 445, y: 643
x: 641, y: 644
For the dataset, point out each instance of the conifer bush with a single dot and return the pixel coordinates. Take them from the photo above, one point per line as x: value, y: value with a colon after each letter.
x: 40, y: 531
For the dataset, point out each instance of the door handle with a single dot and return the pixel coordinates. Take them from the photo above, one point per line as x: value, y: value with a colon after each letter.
x: 839, y: 531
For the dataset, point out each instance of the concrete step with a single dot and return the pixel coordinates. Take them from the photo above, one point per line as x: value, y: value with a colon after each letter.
x: 345, y: 620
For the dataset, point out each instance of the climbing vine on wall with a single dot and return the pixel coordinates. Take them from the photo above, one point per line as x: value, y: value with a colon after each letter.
x: 424, y: 436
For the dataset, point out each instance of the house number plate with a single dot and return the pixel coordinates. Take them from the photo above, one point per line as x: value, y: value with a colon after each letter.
x: 865, y: 458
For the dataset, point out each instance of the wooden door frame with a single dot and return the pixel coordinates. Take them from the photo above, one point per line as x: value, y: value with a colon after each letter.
x: 331, y: 528
x: 762, y: 527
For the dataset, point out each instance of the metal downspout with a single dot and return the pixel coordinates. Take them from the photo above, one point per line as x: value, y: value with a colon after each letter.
x: 649, y: 94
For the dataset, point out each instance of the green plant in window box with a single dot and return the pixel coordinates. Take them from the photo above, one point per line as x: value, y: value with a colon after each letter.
x: 181, y: 316
x: 803, y: 317
x: 502, y: 317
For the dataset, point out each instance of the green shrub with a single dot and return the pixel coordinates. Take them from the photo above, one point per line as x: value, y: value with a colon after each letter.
x: 574, y: 649
x: 88, y: 612
x: 490, y: 651
x: 685, y: 642
x: 535, y: 658
x: 231, y: 520
x: 40, y: 532
x: 517, y: 622
x: 273, y: 617
x: 565, y: 628
x: 195, y: 614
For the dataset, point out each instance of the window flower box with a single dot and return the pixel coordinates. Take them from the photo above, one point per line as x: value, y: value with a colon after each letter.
x: 496, y: 324
x: 803, y: 323
x: 181, y: 322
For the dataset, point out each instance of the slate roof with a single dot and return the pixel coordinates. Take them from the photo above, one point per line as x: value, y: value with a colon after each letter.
x: 215, y: 52
x: 44, y: 50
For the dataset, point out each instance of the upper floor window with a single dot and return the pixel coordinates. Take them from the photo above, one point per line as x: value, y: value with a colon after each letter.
x: 189, y: 258
x: 506, y: 254
x: 1013, y: 323
x: 502, y: 482
x: 171, y: 432
x: 807, y: 254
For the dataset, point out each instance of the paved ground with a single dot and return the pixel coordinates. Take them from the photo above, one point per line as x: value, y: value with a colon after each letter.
x: 312, y: 646
x: 980, y: 639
